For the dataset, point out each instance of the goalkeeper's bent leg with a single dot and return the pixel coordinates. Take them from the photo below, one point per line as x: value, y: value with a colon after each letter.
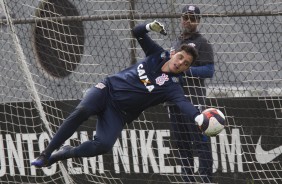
x: 108, y: 128
x: 65, y: 131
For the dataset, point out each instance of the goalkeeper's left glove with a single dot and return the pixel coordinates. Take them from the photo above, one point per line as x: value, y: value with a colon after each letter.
x: 157, y: 27
x: 199, y: 120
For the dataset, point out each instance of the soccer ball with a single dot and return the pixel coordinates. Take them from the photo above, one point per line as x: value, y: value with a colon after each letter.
x: 211, y: 121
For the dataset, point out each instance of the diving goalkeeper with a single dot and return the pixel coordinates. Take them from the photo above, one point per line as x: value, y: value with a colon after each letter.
x: 120, y: 98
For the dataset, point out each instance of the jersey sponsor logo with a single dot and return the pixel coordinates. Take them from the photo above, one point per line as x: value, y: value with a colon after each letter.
x: 264, y: 156
x: 146, y: 81
x: 161, y: 79
x: 144, y: 78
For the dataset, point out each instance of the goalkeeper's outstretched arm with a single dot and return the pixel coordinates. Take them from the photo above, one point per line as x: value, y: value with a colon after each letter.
x: 147, y: 44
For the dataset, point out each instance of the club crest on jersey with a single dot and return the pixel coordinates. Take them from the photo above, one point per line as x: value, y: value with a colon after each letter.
x: 161, y: 79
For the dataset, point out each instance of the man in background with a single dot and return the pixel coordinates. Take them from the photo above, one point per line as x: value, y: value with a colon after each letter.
x: 194, y: 87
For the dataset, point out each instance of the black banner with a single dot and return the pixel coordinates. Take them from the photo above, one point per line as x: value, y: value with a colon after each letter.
x: 247, y: 151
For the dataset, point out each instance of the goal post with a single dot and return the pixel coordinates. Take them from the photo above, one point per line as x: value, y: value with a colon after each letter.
x: 53, y: 51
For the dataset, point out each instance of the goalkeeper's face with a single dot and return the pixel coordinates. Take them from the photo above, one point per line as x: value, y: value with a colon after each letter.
x: 179, y: 62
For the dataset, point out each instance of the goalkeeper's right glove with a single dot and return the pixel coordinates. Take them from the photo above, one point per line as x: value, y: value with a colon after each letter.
x: 157, y: 27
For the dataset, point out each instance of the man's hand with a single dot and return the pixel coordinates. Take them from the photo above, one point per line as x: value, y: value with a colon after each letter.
x: 157, y: 27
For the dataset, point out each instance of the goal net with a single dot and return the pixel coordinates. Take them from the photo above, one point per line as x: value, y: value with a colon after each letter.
x: 53, y: 51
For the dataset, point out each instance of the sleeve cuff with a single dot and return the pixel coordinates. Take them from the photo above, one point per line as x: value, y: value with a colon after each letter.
x: 148, y: 27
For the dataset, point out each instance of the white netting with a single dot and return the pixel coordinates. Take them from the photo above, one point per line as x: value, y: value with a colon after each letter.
x: 53, y: 51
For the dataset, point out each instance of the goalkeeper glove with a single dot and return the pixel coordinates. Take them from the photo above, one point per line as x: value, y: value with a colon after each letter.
x: 157, y: 27
x: 199, y: 120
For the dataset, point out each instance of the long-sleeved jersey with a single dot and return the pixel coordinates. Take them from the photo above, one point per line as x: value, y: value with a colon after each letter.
x: 144, y: 84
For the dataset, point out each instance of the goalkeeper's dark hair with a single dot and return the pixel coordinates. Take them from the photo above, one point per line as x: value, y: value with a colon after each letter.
x: 189, y: 50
